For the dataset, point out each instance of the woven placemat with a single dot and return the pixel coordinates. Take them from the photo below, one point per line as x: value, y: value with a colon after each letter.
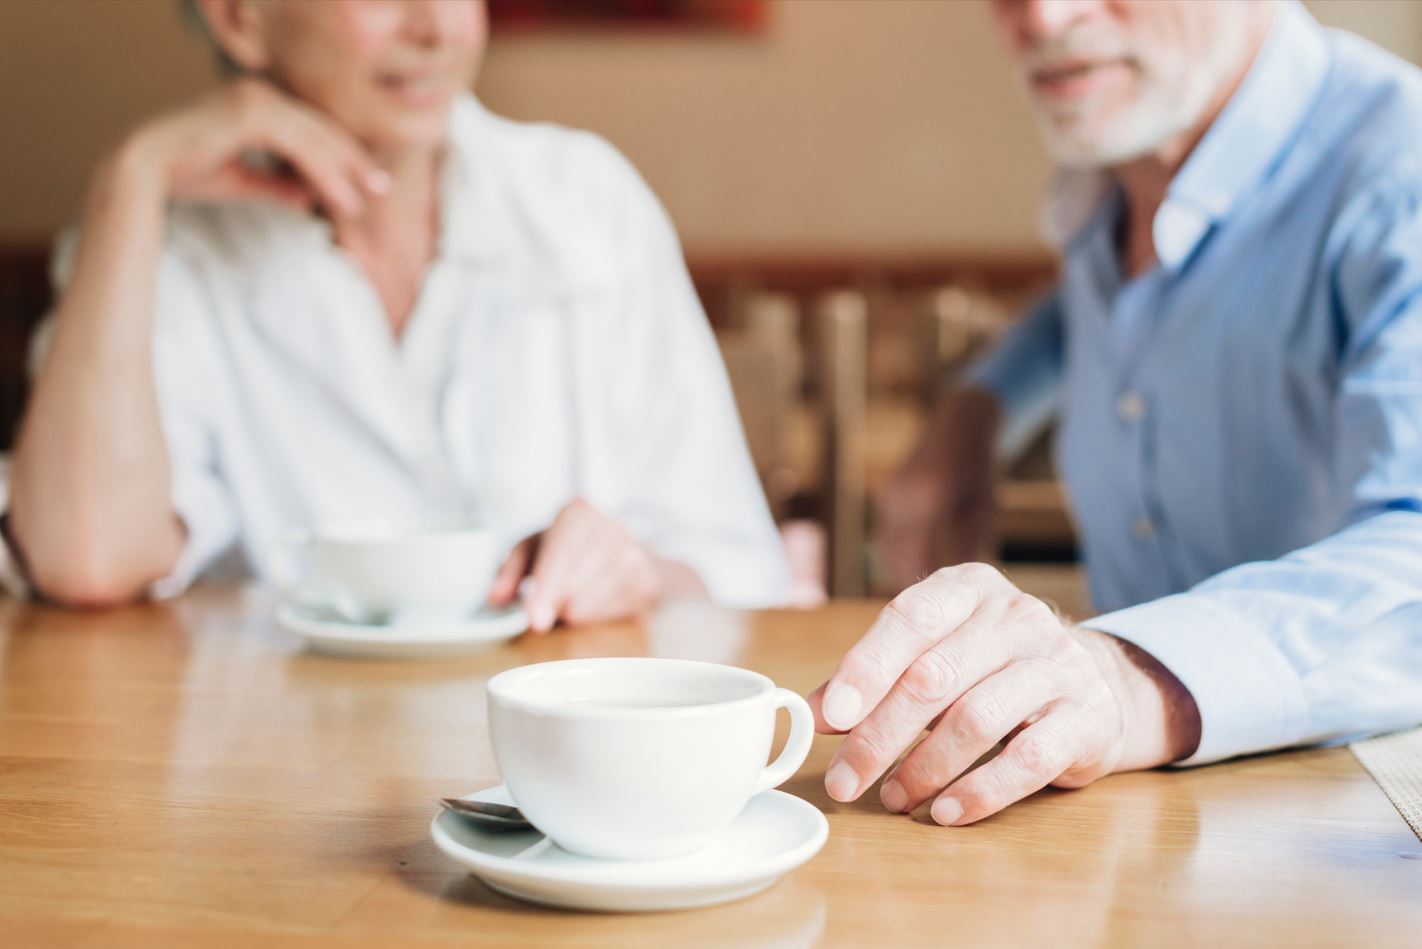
x: 1395, y: 762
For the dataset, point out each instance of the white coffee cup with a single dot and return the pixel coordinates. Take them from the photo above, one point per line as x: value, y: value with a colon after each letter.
x: 637, y: 759
x: 389, y: 572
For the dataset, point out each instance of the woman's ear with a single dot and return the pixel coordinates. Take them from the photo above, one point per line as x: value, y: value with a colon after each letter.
x: 237, y: 27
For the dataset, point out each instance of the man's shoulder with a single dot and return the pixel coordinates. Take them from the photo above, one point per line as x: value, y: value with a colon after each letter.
x: 1371, y: 112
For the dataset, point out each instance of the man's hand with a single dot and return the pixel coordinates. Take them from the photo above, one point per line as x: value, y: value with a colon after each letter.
x: 586, y: 568
x: 968, y: 654
x: 944, y: 493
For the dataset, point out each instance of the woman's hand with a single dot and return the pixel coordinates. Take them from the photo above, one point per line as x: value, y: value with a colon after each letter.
x: 586, y: 568
x: 207, y: 152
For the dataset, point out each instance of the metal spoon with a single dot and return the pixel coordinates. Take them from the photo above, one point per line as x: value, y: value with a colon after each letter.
x: 503, y: 816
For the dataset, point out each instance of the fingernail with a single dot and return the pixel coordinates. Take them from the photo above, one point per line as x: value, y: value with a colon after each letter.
x: 893, y: 796
x: 946, y: 810
x: 841, y: 782
x: 544, y: 617
x: 377, y: 181
x: 842, y: 706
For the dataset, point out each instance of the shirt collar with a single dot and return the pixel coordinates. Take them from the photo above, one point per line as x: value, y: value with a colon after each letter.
x: 1238, y: 150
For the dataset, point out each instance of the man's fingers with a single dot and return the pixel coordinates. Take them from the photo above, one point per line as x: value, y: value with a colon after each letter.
x: 970, y: 728
x: 932, y: 682
x: 907, y: 628
x: 816, y: 703
x: 1029, y: 763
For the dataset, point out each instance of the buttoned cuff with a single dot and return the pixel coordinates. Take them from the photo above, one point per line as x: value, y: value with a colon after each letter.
x: 1249, y: 695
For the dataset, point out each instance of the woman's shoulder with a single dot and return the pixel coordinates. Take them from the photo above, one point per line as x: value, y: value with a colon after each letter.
x: 545, y: 162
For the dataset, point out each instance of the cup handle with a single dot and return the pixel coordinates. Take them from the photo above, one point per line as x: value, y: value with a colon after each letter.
x: 287, y: 559
x: 797, y: 746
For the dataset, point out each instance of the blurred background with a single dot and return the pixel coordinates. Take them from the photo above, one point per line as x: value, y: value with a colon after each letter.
x: 855, y: 182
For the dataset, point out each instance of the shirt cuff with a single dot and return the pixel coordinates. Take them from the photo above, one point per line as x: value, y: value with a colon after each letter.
x: 1249, y: 695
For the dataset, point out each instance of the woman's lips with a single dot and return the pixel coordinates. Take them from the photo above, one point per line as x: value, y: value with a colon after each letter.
x: 416, y: 89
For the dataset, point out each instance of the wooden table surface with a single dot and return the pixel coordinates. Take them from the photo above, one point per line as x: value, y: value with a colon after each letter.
x: 185, y: 774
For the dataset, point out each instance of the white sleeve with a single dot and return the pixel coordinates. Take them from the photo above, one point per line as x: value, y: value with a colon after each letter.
x: 182, y: 359
x: 200, y: 497
x: 690, y: 491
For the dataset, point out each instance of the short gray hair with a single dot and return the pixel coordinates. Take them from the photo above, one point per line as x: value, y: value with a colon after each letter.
x: 196, y: 22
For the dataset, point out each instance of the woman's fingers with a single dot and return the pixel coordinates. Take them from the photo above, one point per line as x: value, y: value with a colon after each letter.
x: 312, y: 157
x: 514, y: 568
x: 558, y: 555
x: 588, y: 569
x: 619, y: 583
x: 208, y: 151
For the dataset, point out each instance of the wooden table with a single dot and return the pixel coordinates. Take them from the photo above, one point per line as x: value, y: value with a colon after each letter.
x: 184, y: 774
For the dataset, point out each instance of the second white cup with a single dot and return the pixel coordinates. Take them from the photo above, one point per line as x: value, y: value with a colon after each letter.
x: 400, y: 574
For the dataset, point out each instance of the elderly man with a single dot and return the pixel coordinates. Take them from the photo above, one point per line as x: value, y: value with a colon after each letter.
x: 1235, y: 351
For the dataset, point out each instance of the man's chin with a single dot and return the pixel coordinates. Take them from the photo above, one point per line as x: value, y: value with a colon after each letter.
x: 1083, y: 149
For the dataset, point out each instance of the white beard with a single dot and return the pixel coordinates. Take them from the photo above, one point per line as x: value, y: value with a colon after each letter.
x: 1172, y: 95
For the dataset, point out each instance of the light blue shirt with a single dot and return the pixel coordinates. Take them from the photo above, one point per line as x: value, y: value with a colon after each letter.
x: 1241, y: 425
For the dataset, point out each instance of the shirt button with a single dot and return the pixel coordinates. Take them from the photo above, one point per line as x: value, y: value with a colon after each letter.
x: 1144, y: 528
x: 1131, y: 406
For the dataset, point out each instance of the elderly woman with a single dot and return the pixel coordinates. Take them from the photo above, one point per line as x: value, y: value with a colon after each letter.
x: 338, y: 288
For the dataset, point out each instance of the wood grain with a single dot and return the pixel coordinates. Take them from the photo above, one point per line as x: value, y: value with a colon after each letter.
x: 184, y: 774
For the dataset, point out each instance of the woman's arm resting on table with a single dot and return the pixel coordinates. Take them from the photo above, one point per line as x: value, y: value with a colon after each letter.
x: 91, y: 507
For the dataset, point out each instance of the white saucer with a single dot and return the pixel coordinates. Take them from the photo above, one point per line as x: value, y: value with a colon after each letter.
x: 776, y: 833
x: 375, y: 640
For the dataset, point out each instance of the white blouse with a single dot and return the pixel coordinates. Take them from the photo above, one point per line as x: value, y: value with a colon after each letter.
x: 557, y: 350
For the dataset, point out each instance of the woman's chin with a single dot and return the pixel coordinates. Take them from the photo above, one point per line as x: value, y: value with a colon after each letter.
x: 407, y: 134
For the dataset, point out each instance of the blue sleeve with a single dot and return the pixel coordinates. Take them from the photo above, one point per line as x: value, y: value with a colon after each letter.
x: 1024, y: 371
x: 1326, y: 642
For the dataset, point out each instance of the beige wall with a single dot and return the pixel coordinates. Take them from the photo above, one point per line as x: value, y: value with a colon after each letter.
x: 878, y: 126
